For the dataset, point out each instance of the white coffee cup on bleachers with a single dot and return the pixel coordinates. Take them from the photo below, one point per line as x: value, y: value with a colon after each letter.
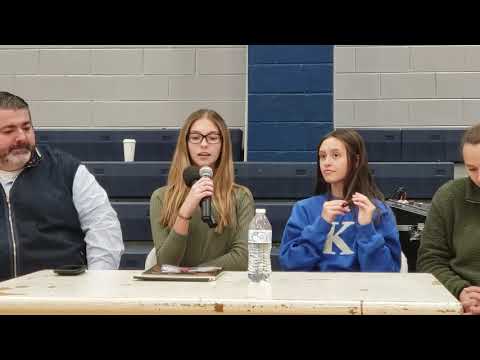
x: 129, y: 149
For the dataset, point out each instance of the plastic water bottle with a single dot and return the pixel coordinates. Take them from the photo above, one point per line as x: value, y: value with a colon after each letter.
x: 259, y: 247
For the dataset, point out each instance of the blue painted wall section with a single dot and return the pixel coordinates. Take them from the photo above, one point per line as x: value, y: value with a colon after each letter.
x: 290, y: 100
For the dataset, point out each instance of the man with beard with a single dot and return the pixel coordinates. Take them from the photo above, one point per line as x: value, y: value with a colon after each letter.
x: 52, y: 210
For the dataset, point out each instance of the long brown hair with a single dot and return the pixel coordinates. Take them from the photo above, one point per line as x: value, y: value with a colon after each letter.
x: 359, y: 178
x: 223, y: 176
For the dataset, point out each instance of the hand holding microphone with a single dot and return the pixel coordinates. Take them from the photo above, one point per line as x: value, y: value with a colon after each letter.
x: 201, y: 192
x: 206, y: 203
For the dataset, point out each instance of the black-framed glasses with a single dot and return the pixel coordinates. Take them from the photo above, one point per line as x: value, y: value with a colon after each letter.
x: 197, y: 138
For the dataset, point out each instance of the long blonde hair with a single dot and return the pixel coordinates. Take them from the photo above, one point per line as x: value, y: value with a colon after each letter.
x: 223, y: 176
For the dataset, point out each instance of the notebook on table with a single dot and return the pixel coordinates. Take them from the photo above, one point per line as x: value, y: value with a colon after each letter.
x: 177, y: 273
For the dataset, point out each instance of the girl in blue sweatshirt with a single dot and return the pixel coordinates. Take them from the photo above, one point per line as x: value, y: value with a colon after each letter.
x: 346, y: 226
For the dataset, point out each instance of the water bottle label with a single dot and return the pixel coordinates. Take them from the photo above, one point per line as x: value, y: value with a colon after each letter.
x: 260, y: 236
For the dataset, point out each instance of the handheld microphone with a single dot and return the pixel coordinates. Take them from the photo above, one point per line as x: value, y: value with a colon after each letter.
x: 206, y: 202
x: 191, y: 175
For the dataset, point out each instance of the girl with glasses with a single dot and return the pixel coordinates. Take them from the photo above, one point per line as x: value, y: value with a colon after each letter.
x: 180, y: 236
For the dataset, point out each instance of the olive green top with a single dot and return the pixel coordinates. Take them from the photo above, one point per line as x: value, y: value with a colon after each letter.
x: 202, y: 246
x: 450, y: 244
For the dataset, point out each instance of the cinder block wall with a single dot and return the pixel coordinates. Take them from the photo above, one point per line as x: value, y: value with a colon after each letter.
x: 406, y: 86
x: 158, y: 86
x: 125, y: 86
x: 290, y: 101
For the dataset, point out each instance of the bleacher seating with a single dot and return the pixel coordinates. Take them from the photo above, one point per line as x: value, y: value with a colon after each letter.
x: 420, y: 179
x: 453, y: 138
x: 420, y: 160
x: 420, y: 145
x: 106, y: 144
x: 271, y: 180
x: 413, y: 144
x: 407, y: 144
x: 382, y: 144
x: 436, y: 144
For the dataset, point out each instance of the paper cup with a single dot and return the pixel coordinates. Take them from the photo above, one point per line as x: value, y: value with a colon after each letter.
x: 129, y: 149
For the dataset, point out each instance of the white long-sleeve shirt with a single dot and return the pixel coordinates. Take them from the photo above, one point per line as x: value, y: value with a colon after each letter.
x: 98, y: 220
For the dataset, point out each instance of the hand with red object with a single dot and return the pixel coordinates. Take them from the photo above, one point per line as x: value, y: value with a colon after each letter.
x: 333, y: 208
x: 365, y: 208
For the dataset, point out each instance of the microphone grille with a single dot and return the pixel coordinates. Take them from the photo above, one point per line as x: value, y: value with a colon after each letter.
x: 206, y: 171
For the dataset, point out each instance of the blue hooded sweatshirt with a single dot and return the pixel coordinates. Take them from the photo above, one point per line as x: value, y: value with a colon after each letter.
x: 310, y: 243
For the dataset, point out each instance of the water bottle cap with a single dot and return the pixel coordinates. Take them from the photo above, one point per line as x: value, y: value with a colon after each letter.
x: 260, y: 211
